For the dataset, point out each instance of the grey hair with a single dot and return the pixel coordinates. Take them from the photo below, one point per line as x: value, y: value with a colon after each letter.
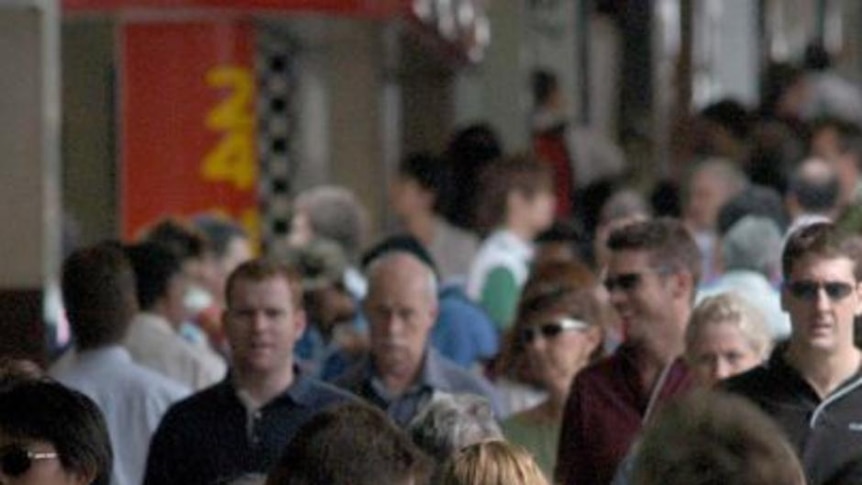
x: 247, y: 479
x: 625, y: 203
x: 431, y: 278
x: 753, y: 243
x: 731, y: 308
x: 450, y: 422
x: 335, y: 213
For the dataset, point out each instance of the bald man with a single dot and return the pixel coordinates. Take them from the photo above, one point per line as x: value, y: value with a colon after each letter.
x: 402, y: 371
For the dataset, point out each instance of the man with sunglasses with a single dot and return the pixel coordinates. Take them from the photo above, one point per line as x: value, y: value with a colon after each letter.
x: 652, y: 274
x: 812, y: 384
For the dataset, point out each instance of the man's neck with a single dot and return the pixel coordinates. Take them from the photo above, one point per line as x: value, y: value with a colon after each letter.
x: 398, y: 380
x: 521, y: 229
x: 824, y: 372
x: 263, y: 388
x: 651, y: 363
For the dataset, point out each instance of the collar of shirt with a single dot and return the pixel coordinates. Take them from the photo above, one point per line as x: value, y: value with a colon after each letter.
x: 675, y: 377
x: 298, y: 393
x: 154, y: 321
x: 509, y: 242
x: 793, y: 377
x: 431, y: 377
x: 111, y: 353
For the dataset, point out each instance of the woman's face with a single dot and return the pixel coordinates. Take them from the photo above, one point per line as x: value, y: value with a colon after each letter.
x: 34, y: 462
x: 556, y: 353
x: 719, y: 351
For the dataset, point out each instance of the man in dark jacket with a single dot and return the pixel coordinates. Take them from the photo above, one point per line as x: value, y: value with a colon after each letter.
x: 812, y: 385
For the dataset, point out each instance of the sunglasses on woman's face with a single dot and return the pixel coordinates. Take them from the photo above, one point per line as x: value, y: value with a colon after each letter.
x: 15, y: 460
x: 551, y: 330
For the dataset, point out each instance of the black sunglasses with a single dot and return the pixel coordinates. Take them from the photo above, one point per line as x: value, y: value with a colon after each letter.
x: 809, y: 290
x: 624, y: 281
x: 15, y: 460
x: 552, y: 329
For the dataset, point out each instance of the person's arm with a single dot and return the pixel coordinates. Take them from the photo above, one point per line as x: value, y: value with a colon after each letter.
x: 499, y: 296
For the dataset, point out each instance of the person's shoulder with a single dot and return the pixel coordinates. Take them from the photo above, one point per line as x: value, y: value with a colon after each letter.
x: 751, y: 382
x: 207, y: 401
x: 353, y: 377
x: 321, y: 393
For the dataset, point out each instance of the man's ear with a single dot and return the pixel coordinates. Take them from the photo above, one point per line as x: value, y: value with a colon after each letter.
x: 682, y: 284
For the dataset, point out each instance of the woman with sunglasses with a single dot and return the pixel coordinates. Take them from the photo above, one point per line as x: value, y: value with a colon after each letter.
x: 557, y: 333
x: 50, y: 435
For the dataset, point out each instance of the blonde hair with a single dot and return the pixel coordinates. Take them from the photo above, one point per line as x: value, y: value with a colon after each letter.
x: 730, y: 308
x: 492, y: 463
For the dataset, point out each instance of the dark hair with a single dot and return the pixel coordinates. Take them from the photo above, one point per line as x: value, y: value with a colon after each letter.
x: 350, y: 444
x: 469, y: 151
x: 425, y: 169
x: 815, y: 192
x: 154, y: 267
x: 544, y: 84
x: 180, y: 238
x: 821, y: 239
x: 707, y: 437
x: 44, y: 410
x: 777, y: 79
x: 730, y: 115
x: 259, y: 270
x: 816, y: 58
x: 403, y: 243
x: 667, y: 240
x: 99, y: 294
x: 219, y: 233
x: 754, y: 200
x: 519, y: 173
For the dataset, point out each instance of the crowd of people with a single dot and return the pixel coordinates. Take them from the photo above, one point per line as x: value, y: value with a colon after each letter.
x: 527, y: 323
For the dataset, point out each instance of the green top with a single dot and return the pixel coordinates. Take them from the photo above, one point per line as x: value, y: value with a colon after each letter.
x: 538, y: 436
x: 500, y: 296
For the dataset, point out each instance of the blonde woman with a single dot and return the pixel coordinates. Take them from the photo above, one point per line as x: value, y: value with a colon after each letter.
x: 492, y: 463
x: 726, y: 336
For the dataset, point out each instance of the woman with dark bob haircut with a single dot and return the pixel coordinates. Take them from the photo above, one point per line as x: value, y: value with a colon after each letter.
x: 51, y: 435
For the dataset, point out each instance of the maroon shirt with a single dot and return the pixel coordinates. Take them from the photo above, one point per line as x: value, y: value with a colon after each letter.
x: 604, y: 413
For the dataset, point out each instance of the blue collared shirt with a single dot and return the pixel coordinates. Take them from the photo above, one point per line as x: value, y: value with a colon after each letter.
x: 438, y: 374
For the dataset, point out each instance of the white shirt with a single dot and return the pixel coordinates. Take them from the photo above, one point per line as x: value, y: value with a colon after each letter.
x: 453, y: 250
x: 132, y: 399
x: 501, y: 249
x: 153, y: 343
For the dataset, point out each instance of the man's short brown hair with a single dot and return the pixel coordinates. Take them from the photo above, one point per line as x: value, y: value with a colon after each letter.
x: 258, y: 270
x: 667, y: 240
x: 821, y: 239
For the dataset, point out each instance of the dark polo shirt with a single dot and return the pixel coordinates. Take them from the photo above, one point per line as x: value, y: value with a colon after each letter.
x: 605, y: 411
x: 212, y: 436
x: 827, y: 433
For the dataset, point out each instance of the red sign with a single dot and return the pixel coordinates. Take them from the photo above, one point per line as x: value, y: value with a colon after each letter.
x: 188, y: 128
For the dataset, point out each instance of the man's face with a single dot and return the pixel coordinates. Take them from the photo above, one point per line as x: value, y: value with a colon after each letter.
x: 262, y: 325
x: 705, y: 200
x: 401, y: 311
x: 174, y: 303
x: 822, y: 297
x: 642, y: 295
x: 409, y: 198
